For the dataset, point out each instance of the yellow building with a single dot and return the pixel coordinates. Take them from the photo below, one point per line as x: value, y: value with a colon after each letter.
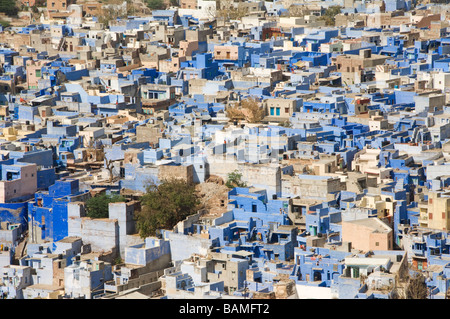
x: 436, y: 213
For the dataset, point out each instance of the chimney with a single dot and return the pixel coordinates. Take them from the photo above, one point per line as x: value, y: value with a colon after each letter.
x: 366, y: 53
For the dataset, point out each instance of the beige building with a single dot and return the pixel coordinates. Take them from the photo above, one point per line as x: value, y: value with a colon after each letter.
x: 231, y: 268
x: 280, y: 109
x: 171, y: 65
x: 91, y: 134
x: 311, y: 186
x: 436, y: 213
x: 384, y: 204
x: 183, y: 172
x: 149, y: 133
x: 366, y: 161
x: 387, y: 19
x: 351, y: 66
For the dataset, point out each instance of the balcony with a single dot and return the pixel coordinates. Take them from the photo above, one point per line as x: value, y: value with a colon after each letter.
x: 418, y: 252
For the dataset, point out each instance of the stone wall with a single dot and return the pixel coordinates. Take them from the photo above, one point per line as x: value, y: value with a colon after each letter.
x: 184, y: 172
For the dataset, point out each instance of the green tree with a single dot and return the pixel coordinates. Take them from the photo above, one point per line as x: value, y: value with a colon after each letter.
x: 9, y: 7
x: 4, y: 23
x: 330, y: 15
x: 234, y: 179
x: 156, y: 4
x: 164, y: 205
x: 97, y: 206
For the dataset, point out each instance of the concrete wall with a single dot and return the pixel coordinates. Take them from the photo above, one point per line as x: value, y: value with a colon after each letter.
x: 101, y: 234
x: 265, y: 176
x: 314, y: 292
x: 183, y: 246
x: 124, y: 214
x: 75, y: 210
x: 147, y: 253
x: 310, y: 186
x: 348, y: 288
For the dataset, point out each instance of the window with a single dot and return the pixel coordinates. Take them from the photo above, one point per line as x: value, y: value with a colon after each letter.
x: 377, y: 244
x: 430, y: 216
x: 272, y: 111
x: 286, y: 110
x: 443, y: 215
x: 278, y: 111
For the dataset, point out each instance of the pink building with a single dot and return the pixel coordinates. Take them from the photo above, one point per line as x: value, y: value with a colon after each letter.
x: 18, y: 181
x: 34, y: 72
x: 368, y: 234
x: 226, y: 52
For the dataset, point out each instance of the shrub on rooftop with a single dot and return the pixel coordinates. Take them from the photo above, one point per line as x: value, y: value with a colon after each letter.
x: 166, y: 204
x: 97, y: 206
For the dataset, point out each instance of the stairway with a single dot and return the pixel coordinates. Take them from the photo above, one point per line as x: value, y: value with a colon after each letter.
x: 21, y: 248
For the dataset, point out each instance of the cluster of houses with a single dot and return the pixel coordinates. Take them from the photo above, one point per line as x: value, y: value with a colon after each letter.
x: 346, y: 171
